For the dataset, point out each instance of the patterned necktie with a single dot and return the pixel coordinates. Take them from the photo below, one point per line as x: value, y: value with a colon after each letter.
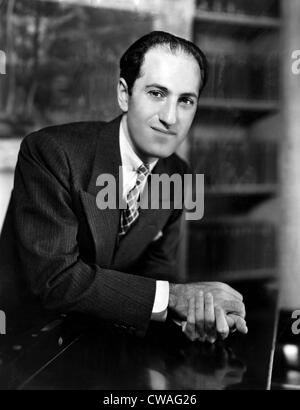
x: 131, y: 213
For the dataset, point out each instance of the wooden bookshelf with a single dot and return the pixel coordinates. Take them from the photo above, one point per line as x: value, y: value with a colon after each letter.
x: 236, y: 276
x: 240, y: 20
x: 229, y: 220
x: 241, y: 98
x: 253, y: 106
x: 246, y: 110
x: 242, y: 190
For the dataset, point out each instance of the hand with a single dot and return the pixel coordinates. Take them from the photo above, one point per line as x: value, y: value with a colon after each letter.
x: 223, y: 295
x: 197, y: 317
x: 204, y: 321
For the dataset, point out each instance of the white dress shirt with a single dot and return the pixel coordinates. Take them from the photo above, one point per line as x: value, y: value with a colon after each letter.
x: 130, y: 164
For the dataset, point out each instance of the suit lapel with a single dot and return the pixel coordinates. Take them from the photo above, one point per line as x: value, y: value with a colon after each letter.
x: 104, y: 223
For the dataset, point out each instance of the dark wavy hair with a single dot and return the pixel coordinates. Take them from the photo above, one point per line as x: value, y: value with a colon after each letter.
x: 133, y: 58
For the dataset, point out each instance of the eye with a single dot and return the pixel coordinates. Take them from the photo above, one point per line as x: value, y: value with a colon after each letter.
x: 156, y: 94
x: 187, y: 101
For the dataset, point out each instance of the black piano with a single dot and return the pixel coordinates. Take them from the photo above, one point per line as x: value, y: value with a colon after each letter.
x: 42, y: 350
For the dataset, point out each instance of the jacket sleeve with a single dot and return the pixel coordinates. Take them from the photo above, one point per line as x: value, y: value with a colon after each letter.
x: 46, y: 227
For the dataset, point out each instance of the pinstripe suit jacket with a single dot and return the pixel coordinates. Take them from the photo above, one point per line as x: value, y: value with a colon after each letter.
x: 68, y: 247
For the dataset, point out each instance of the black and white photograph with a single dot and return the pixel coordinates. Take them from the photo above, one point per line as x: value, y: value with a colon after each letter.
x: 149, y: 197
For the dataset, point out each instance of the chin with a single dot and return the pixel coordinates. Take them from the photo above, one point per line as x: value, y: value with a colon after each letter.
x: 159, y: 155
x: 162, y: 152
x: 163, y: 155
x: 157, y: 151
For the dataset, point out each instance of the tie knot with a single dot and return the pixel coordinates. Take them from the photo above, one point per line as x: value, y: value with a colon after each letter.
x: 143, y: 169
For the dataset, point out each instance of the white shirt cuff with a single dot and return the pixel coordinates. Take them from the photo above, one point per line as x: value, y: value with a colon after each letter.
x: 161, y: 301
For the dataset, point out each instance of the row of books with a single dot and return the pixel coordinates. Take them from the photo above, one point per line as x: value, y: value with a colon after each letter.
x: 242, y: 76
x: 225, y: 162
x: 224, y: 248
x: 253, y: 7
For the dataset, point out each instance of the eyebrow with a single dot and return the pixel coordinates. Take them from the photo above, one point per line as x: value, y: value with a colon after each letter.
x: 165, y: 89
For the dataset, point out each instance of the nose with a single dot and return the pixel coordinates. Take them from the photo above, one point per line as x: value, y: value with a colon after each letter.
x: 168, y: 113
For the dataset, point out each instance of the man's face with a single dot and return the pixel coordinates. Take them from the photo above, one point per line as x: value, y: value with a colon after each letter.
x: 163, y: 103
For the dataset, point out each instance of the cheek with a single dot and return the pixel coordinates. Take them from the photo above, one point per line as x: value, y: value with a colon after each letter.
x: 186, y: 120
x: 135, y: 118
x: 141, y: 107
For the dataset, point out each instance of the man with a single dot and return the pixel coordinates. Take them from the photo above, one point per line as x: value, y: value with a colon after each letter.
x: 119, y: 264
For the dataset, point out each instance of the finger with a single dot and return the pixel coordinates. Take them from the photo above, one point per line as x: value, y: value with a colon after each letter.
x: 190, y: 323
x: 221, y: 323
x: 199, y: 308
x: 230, y: 321
x: 209, y: 317
x: 240, y: 323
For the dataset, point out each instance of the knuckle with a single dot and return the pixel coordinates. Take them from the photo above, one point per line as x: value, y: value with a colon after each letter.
x: 238, y: 306
x: 219, y: 311
x: 199, y: 302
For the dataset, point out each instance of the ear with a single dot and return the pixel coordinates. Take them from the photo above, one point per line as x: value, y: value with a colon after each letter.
x: 123, y: 95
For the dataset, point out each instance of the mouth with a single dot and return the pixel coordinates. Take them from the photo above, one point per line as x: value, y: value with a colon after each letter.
x: 163, y: 131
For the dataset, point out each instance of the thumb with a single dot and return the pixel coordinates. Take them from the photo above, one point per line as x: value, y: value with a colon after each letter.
x: 239, y: 323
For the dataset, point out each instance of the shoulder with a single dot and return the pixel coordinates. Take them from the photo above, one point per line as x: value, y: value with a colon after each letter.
x: 73, y: 143
x: 78, y: 135
x: 65, y: 151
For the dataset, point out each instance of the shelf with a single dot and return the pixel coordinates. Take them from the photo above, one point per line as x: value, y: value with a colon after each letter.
x: 240, y: 20
x: 235, y: 275
x: 228, y: 220
x: 242, y: 109
x: 242, y: 189
x: 236, y: 240
x: 239, y: 104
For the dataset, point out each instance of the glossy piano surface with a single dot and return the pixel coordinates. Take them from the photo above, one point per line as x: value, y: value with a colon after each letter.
x: 74, y: 352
